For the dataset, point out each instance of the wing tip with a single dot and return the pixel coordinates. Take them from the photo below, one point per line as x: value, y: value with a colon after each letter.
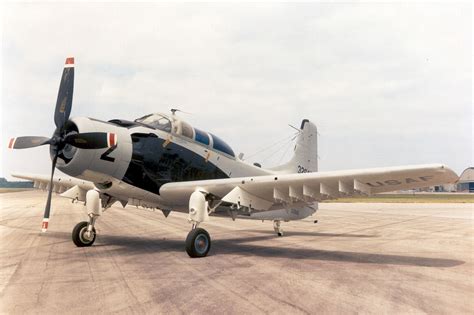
x: 23, y: 176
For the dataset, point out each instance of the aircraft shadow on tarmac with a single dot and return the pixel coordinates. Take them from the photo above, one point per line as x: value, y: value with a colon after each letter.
x: 134, y: 245
x: 320, y: 234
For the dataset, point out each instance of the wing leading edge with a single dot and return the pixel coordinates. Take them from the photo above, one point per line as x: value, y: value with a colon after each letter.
x: 68, y: 187
x: 263, y: 191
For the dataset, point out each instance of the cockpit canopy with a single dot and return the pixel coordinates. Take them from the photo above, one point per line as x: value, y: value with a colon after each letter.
x: 156, y: 121
x: 177, y: 126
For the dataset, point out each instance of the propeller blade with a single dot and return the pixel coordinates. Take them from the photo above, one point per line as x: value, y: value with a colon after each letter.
x: 92, y: 140
x: 66, y: 88
x: 27, y: 142
x: 44, y: 226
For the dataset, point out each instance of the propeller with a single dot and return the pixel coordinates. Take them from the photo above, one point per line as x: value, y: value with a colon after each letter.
x: 61, y: 136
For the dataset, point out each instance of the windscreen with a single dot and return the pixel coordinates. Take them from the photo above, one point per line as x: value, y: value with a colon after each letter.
x: 156, y: 121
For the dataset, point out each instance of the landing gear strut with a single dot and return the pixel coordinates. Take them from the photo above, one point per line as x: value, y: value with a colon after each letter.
x: 277, y: 227
x: 84, y: 233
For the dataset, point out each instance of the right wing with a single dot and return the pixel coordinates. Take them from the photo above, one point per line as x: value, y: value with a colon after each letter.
x: 262, y: 192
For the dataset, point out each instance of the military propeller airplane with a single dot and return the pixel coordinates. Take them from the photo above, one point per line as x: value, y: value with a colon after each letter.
x: 160, y: 161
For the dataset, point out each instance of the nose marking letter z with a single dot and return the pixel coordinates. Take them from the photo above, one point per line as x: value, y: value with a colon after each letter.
x: 105, y: 156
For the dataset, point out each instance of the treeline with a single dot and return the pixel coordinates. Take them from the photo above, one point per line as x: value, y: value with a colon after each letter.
x: 4, y: 183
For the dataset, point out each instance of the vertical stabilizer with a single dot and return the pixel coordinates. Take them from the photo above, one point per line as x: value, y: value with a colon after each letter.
x: 305, y: 157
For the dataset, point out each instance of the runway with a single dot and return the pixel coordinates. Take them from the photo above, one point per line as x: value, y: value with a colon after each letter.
x: 370, y: 258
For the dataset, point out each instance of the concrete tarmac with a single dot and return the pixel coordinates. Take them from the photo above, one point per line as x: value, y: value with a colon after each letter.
x: 368, y: 258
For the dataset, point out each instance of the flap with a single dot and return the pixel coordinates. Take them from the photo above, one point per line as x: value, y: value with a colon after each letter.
x: 242, y: 198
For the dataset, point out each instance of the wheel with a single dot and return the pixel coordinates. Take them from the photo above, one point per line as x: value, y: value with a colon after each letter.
x: 198, y: 243
x: 78, y: 235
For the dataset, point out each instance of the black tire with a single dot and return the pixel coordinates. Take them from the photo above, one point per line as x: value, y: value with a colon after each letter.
x: 78, y: 235
x: 198, y: 243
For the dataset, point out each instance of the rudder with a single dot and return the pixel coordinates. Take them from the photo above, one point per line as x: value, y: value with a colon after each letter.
x: 305, y: 157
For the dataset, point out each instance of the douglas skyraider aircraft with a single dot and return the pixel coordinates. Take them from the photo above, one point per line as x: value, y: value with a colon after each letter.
x: 160, y: 161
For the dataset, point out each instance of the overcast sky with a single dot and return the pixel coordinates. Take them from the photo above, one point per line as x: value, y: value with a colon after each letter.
x: 387, y: 84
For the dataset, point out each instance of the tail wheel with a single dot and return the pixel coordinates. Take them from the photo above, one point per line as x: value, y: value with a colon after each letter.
x: 198, y: 243
x: 79, y: 236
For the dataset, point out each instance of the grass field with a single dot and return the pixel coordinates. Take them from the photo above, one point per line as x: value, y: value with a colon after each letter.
x: 410, y: 198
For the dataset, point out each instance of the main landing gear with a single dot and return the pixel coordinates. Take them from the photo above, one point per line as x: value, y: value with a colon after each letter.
x: 84, y: 233
x: 81, y: 236
x: 198, y: 242
x: 277, y: 227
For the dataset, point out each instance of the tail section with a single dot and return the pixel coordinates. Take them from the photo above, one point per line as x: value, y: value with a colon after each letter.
x: 305, y: 158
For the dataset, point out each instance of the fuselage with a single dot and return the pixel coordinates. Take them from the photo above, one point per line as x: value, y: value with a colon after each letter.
x: 149, y: 155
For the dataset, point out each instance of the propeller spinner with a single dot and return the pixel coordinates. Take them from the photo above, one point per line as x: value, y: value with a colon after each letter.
x: 61, y: 136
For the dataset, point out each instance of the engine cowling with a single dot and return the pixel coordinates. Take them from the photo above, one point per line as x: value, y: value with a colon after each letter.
x: 96, y: 165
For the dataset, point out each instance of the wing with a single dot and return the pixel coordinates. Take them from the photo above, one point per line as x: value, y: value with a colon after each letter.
x: 261, y: 192
x: 68, y: 187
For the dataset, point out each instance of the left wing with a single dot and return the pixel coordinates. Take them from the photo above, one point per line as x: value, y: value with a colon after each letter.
x: 68, y: 187
x: 261, y: 192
